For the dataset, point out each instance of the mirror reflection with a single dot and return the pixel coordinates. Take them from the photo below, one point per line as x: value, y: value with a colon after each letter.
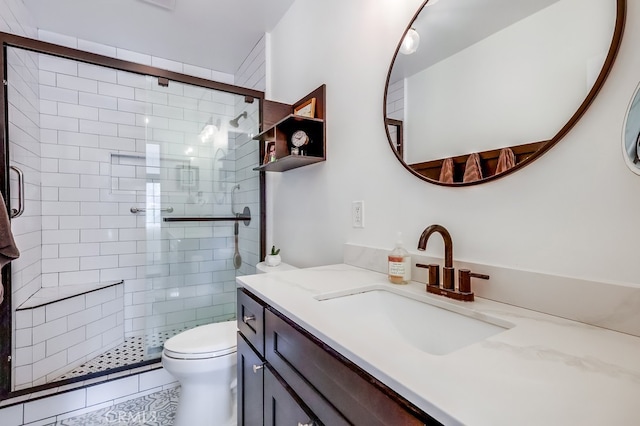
x: 495, y: 74
x: 631, y: 135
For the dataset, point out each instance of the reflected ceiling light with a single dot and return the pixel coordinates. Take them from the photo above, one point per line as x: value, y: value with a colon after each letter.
x: 208, y: 130
x: 410, y: 42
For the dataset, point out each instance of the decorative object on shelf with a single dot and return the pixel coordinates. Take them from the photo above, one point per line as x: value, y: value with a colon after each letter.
x: 306, y: 109
x: 299, y: 139
x: 273, y: 259
x: 269, y: 153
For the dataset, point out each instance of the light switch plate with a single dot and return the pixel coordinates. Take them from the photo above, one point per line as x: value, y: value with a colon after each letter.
x: 357, y: 214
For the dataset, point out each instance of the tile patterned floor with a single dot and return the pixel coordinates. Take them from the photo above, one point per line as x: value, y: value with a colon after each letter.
x: 156, y: 409
x: 130, y: 352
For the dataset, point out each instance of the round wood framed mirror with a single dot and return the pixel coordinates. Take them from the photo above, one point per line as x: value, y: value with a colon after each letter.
x: 503, y: 79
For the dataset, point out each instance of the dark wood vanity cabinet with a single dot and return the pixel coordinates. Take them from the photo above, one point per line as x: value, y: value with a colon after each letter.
x: 301, y: 380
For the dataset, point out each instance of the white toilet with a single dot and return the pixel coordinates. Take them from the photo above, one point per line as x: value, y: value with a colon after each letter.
x: 203, y: 359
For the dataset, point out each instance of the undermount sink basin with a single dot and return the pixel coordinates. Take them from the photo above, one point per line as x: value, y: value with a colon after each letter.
x: 429, y: 328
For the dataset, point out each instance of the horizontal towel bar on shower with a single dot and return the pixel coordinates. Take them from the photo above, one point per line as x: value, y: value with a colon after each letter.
x: 244, y: 218
x: 135, y: 210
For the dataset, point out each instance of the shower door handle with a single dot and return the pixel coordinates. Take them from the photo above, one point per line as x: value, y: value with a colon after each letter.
x: 18, y: 212
x: 135, y: 210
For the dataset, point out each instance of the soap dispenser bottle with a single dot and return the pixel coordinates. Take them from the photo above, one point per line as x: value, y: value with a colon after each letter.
x: 399, y: 263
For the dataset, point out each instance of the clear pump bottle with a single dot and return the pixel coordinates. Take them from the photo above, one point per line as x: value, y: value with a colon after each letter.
x: 399, y: 263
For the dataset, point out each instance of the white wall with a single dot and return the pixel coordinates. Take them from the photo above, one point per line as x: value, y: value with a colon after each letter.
x: 572, y: 212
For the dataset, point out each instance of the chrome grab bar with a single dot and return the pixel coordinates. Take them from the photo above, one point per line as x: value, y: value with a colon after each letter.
x: 135, y: 210
x: 17, y: 213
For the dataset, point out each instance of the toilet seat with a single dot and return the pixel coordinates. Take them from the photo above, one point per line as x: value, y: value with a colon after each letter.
x: 205, y: 341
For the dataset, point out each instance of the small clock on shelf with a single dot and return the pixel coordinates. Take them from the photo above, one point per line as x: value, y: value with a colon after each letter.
x: 299, y: 139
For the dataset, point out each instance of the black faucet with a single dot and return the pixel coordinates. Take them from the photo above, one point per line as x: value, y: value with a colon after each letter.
x: 448, y: 271
x: 448, y: 283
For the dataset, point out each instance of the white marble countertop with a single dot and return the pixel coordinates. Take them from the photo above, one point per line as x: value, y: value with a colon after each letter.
x: 544, y: 370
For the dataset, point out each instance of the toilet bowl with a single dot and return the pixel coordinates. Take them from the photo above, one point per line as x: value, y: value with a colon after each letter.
x: 203, y: 360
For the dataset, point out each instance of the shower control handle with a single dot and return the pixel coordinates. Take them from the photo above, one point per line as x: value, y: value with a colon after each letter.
x: 257, y: 367
x: 247, y: 318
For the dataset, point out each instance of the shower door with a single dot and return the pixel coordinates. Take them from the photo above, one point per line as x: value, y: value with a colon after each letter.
x: 200, y: 194
x: 141, y: 206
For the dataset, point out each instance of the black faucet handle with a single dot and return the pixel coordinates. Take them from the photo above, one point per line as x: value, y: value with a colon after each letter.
x: 434, y: 273
x: 464, y: 279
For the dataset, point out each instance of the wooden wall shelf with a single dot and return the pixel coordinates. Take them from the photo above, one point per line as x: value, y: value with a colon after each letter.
x: 285, y: 123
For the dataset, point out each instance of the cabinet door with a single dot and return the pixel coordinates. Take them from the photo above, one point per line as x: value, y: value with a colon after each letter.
x: 281, y: 406
x: 250, y: 385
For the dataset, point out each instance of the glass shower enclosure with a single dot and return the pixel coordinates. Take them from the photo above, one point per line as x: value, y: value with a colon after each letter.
x: 134, y: 205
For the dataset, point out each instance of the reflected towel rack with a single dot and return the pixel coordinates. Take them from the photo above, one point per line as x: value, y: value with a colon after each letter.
x: 245, y: 216
x: 135, y: 210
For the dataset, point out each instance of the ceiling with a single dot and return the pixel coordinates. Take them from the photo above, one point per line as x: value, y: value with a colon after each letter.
x: 216, y: 34
x: 450, y: 26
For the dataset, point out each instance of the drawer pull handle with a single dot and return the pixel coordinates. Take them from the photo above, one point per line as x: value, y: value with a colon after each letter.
x: 247, y: 318
x: 257, y: 367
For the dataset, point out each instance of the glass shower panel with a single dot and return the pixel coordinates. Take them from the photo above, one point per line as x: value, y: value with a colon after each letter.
x: 108, y: 156
x: 194, y: 188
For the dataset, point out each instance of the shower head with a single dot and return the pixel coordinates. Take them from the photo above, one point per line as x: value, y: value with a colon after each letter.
x: 234, y: 122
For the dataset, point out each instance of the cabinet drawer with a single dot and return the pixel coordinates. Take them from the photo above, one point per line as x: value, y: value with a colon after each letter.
x: 308, y: 365
x: 251, y: 319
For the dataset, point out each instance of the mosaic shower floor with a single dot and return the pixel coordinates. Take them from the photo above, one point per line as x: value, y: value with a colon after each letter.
x: 130, y: 352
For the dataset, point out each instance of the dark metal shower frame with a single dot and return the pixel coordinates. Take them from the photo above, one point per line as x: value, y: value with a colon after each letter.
x: 37, y: 46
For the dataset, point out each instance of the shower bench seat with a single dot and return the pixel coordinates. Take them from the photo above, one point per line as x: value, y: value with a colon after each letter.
x: 48, y: 295
x: 59, y: 328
